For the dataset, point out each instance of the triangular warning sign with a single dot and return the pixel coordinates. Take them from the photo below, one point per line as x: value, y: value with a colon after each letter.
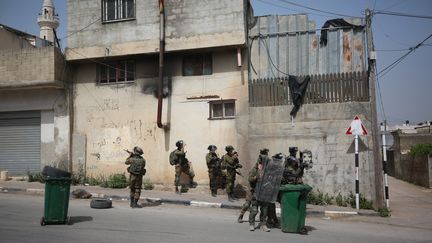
x: 356, y: 128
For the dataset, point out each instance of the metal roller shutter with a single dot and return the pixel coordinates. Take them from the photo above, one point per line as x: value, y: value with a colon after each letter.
x: 20, y: 136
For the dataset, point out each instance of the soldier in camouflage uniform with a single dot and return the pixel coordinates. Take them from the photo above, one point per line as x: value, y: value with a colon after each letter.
x: 293, y: 171
x: 136, y: 171
x: 229, y: 165
x: 252, y: 183
x: 214, y: 168
x: 182, y: 164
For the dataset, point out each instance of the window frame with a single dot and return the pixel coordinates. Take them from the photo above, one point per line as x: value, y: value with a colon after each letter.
x: 121, y: 69
x: 223, y: 102
x: 117, y: 10
x: 207, y: 59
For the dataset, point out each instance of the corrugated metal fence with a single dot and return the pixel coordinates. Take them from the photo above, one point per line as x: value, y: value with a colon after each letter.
x: 324, y: 88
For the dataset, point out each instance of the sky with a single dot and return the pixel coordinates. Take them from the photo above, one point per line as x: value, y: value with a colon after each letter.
x: 406, y: 90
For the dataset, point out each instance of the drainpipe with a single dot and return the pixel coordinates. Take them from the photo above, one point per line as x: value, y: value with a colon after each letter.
x: 161, y: 63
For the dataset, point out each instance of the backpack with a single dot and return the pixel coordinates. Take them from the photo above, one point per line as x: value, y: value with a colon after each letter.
x: 137, y: 167
x: 172, y: 158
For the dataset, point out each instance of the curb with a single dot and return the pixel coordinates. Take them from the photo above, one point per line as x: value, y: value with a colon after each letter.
x: 202, y: 204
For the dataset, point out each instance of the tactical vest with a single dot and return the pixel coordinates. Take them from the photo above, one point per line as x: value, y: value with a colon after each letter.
x: 137, y: 166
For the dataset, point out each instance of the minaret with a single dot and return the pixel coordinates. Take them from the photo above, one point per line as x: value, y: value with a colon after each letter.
x: 48, y: 21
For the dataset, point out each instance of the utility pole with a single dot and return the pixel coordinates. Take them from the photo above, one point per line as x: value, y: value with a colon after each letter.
x: 379, y: 196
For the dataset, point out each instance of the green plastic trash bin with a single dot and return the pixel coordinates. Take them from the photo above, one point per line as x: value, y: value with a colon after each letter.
x: 293, y: 207
x: 56, y: 201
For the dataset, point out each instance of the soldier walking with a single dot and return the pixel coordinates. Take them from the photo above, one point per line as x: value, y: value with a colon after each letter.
x: 214, y: 168
x: 182, y: 164
x: 229, y: 165
x: 136, y: 171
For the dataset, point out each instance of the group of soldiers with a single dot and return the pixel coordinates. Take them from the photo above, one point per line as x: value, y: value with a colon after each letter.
x: 222, y: 174
x: 292, y: 173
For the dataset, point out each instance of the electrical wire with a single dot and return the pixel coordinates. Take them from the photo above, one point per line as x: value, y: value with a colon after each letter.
x: 402, y: 14
x: 270, y: 59
x: 73, y: 33
x: 317, y: 10
x: 294, y: 10
x: 388, y: 68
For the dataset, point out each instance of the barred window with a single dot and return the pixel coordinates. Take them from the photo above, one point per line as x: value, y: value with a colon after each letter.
x: 197, y: 64
x: 116, y: 72
x: 222, y: 109
x: 115, y: 10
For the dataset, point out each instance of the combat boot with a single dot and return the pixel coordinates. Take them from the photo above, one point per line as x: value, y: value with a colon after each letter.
x: 135, y: 204
x: 230, y: 197
x: 264, y: 228
x: 177, y: 190
x: 240, y: 218
x: 213, y: 193
x: 131, y: 201
x: 252, y: 227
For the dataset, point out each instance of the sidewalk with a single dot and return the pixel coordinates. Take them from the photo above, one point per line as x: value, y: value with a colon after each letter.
x: 194, y: 197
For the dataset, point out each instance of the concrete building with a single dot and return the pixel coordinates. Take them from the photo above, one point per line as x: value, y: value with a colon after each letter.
x: 34, y: 121
x: 404, y: 166
x: 115, y: 63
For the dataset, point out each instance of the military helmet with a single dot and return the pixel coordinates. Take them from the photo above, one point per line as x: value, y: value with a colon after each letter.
x: 137, y: 150
x: 264, y: 151
x: 229, y: 148
x: 179, y: 143
x: 278, y: 156
x: 212, y: 147
x: 293, y: 150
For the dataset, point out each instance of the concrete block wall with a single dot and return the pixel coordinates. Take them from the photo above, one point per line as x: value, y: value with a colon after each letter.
x: 110, y: 118
x: 191, y: 24
x: 30, y: 67
x: 320, y: 128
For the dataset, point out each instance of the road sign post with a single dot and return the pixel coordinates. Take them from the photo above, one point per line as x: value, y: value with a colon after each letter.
x: 356, y: 129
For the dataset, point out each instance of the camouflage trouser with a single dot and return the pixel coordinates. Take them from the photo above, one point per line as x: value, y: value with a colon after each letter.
x: 230, y: 180
x: 213, y: 177
x: 272, y: 218
x: 135, y: 184
x: 245, y: 206
x: 254, y: 211
x: 185, y: 169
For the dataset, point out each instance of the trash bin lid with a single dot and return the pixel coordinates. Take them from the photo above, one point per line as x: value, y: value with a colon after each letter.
x: 297, y: 187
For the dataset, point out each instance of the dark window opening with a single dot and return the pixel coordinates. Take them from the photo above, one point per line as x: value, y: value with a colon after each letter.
x: 197, y: 64
x: 222, y: 109
x: 113, y: 10
x: 116, y: 72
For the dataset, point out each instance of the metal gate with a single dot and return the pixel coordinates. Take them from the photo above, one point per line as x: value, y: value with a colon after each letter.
x: 20, y: 136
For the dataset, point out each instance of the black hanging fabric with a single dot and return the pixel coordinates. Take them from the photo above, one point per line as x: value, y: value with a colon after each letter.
x: 297, y: 90
x: 334, y: 23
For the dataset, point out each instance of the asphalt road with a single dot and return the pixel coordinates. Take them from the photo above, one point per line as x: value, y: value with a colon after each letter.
x: 20, y: 222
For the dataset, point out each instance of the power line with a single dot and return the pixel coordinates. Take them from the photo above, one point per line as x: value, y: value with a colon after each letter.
x: 402, y: 14
x: 388, y: 68
x: 294, y: 10
x: 317, y: 10
x: 73, y: 33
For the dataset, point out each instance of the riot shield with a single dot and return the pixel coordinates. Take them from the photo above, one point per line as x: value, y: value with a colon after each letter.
x: 269, y: 181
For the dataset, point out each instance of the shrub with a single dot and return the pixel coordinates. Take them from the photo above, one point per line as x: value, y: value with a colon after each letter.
x: 384, y: 212
x: 341, y: 200
x: 117, y: 181
x: 315, y: 198
x: 148, y: 185
x: 36, y: 176
x: 421, y: 149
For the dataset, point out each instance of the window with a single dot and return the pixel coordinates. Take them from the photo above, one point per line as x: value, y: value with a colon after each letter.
x: 222, y: 109
x: 116, y: 72
x: 114, y: 10
x: 197, y: 64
